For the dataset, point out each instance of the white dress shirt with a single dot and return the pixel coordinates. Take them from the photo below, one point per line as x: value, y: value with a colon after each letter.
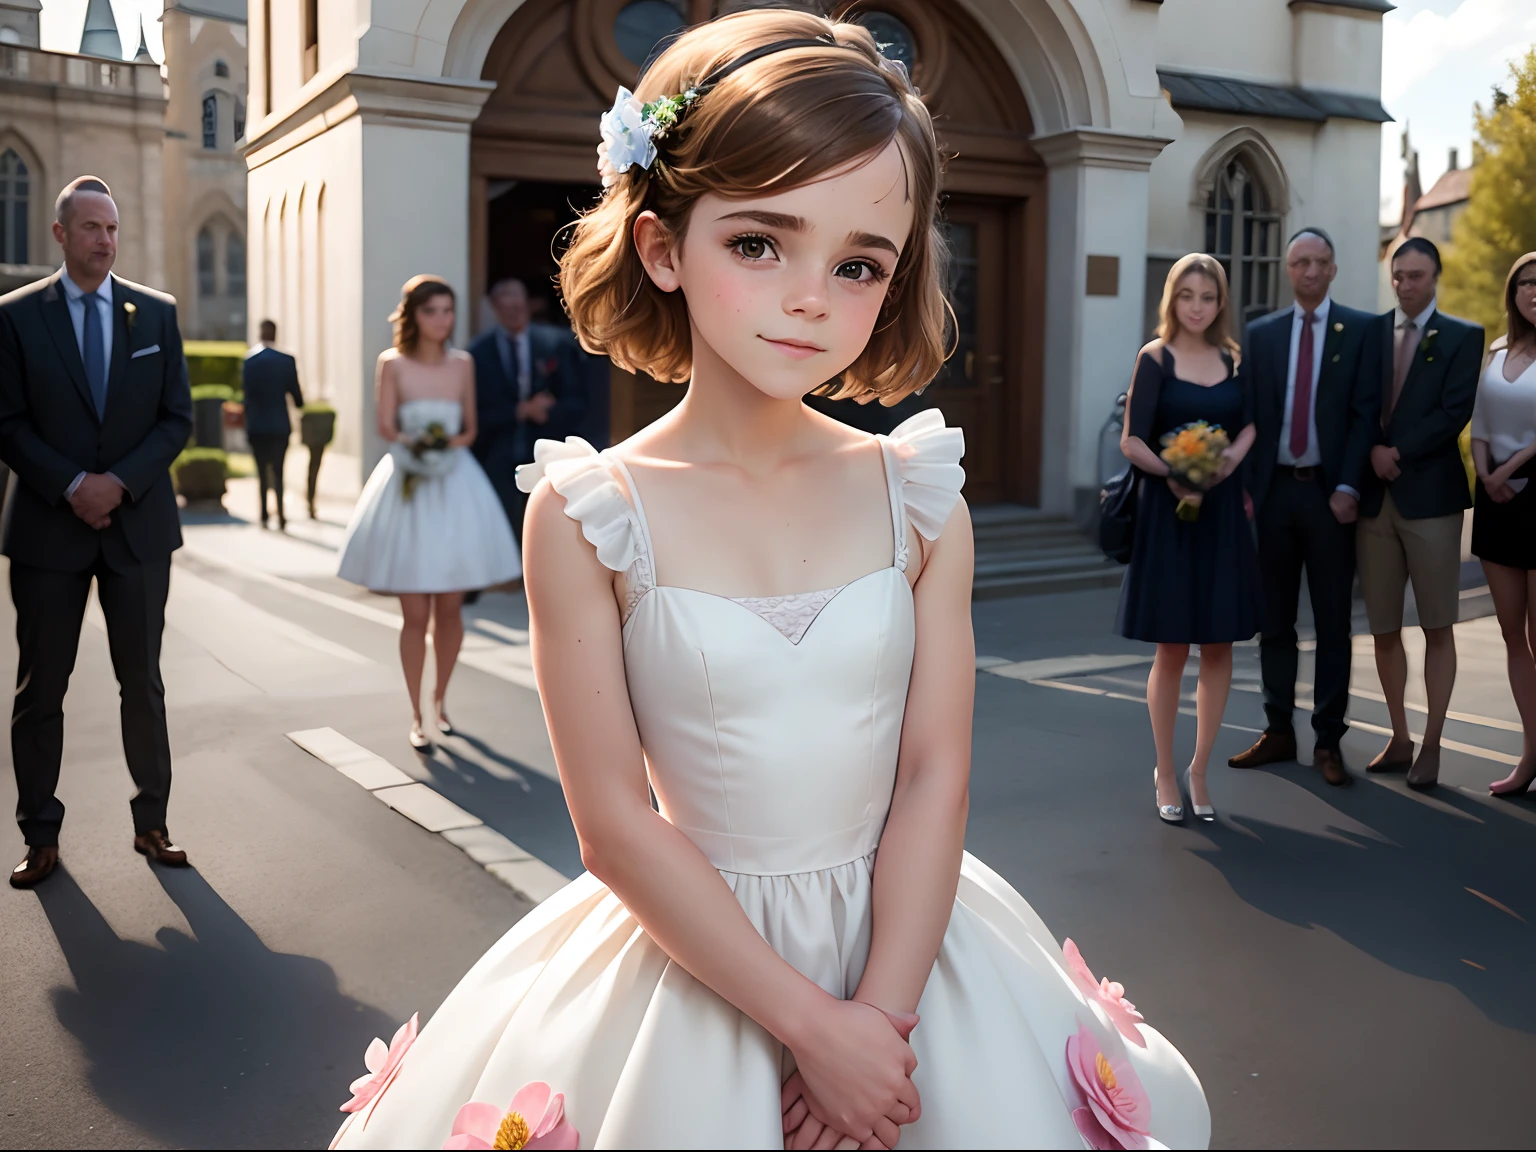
x: 1312, y: 457
x: 78, y: 300
x: 1505, y: 413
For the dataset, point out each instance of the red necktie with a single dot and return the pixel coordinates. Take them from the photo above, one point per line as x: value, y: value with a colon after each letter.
x: 1301, y: 407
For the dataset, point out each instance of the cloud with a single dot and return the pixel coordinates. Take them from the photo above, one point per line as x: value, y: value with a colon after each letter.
x: 1477, y: 33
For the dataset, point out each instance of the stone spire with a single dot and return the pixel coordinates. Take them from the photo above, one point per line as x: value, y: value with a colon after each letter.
x: 142, y: 56
x: 100, y: 36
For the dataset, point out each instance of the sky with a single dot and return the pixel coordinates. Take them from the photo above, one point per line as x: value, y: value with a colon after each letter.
x: 1439, y: 58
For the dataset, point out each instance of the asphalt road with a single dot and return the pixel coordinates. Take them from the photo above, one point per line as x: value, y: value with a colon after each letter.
x: 1343, y: 967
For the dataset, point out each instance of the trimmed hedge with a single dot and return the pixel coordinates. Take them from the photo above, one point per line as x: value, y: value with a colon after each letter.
x: 223, y: 393
x: 200, y: 473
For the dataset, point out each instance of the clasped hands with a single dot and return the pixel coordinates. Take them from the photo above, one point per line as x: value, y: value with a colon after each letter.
x: 853, y: 1084
x: 1497, y: 484
x: 1384, y: 461
x: 536, y: 409
x: 1228, y: 465
x: 95, y: 498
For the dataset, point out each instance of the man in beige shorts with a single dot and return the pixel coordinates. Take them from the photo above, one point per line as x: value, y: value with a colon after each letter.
x: 1412, y: 509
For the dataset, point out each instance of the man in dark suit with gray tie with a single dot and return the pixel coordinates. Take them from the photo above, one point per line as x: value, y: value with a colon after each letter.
x: 1316, y: 408
x: 94, y: 407
x: 528, y: 385
x: 268, y: 378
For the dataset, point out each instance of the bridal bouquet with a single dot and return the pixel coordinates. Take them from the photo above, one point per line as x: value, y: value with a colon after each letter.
x: 1193, y: 454
x: 427, y: 455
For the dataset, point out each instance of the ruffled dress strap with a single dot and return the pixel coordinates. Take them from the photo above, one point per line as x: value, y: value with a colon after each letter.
x: 922, y: 458
x: 587, y: 480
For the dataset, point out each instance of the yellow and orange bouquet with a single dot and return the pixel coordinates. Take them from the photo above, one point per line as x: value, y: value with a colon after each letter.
x: 1193, y: 454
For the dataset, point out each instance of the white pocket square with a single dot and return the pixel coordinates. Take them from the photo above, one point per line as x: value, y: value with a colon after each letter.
x: 145, y: 351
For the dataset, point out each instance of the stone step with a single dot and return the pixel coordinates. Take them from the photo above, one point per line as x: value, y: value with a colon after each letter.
x: 1023, y: 551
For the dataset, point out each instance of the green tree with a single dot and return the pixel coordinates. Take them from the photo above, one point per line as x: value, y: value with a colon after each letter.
x: 1500, y: 221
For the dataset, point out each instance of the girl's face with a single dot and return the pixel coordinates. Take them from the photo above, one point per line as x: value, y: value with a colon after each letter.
x: 434, y: 318
x: 1525, y: 291
x: 1196, y: 302
x: 786, y: 288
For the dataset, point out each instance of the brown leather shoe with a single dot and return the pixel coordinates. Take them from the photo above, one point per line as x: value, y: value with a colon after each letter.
x: 1332, y: 764
x: 1425, y: 773
x: 1387, y: 761
x: 1271, y: 748
x: 158, y: 847
x: 37, y: 867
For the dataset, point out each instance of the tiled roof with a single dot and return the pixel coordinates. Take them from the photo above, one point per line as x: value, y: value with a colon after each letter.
x: 1452, y: 188
x: 1206, y: 93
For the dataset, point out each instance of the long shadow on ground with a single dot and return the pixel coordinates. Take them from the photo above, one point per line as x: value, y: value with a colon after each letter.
x: 211, y: 1040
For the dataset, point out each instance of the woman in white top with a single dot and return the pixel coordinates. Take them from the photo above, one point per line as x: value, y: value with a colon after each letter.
x: 428, y: 526
x: 1504, y: 523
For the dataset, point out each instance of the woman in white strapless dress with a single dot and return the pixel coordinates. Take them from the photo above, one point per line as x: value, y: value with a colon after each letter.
x: 763, y: 617
x: 428, y: 527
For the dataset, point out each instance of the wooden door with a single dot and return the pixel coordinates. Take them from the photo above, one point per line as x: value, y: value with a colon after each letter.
x: 971, y: 389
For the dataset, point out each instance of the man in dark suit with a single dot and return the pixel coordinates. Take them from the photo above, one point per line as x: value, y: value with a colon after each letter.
x: 1316, y: 411
x: 527, y: 385
x: 94, y: 406
x: 268, y: 377
x: 1416, y: 496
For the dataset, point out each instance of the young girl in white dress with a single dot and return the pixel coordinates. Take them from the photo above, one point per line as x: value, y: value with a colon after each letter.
x: 428, y: 526
x: 764, y: 615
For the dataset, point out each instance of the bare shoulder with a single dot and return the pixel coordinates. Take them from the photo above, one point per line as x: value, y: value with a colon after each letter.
x: 461, y: 357
x: 1151, y: 348
x: 387, y: 363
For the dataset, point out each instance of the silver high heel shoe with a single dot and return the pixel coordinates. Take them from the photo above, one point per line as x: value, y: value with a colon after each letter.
x: 1204, y: 812
x: 1170, y: 813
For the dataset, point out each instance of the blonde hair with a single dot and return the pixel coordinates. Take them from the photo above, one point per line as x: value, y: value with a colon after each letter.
x: 416, y: 292
x: 776, y: 123
x: 1520, y: 329
x: 1219, y: 333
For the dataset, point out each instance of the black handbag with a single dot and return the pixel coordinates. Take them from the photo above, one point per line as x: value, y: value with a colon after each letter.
x: 1117, y: 515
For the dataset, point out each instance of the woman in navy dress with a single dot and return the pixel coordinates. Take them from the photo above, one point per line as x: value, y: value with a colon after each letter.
x: 1190, y: 581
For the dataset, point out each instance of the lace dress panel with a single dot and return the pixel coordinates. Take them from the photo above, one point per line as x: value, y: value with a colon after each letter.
x: 792, y: 615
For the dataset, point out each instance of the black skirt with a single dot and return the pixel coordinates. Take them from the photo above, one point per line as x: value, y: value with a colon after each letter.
x: 1505, y: 533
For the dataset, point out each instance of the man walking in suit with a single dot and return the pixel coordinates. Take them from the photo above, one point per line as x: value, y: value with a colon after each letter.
x: 94, y: 406
x: 268, y: 377
x: 527, y: 385
x: 1317, y: 412
x: 1416, y: 496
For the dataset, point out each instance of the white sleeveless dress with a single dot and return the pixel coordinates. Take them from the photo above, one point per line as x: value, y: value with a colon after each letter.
x: 771, y: 729
x: 449, y: 535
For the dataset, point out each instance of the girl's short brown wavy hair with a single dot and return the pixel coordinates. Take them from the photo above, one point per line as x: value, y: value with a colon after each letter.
x: 779, y: 122
x: 415, y: 292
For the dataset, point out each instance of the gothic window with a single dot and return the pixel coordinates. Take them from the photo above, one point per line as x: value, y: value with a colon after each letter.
x: 210, y: 121
x: 15, y: 195
x: 234, y: 265
x: 1242, y: 230
x: 239, y: 119
x: 205, y: 278
x: 220, y: 68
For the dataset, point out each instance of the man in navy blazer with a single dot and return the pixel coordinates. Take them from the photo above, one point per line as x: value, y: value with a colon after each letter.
x: 1316, y: 411
x: 1416, y: 495
x: 268, y: 378
x: 94, y: 407
x: 528, y: 385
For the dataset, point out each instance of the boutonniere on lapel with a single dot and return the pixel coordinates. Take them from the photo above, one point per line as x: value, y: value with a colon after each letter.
x: 130, y: 312
x: 1338, y: 325
x: 1427, y: 345
x: 548, y: 367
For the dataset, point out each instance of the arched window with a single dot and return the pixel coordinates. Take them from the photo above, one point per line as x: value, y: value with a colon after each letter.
x: 1242, y: 230
x: 239, y: 119
x: 205, y: 279
x: 220, y: 68
x: 234, y: 265
x: 15, y: 196
x: 210, y: 121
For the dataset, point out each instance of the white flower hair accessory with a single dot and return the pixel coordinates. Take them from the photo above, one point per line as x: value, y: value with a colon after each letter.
x: 630, y: 131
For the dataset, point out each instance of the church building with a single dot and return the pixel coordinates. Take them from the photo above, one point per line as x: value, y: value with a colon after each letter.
x: 1095, y: 142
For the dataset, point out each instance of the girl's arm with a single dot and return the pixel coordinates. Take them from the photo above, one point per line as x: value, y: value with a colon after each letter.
x: 1140, y: 403
x: 855, y: 1064
x: 386, y: 400
x: 1482, y: 460
x: 917, y: 868
x: 470, y: 419
x: 1237, y: 450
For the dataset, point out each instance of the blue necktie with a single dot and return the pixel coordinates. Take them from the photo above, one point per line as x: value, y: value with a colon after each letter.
x: 95, y: 355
